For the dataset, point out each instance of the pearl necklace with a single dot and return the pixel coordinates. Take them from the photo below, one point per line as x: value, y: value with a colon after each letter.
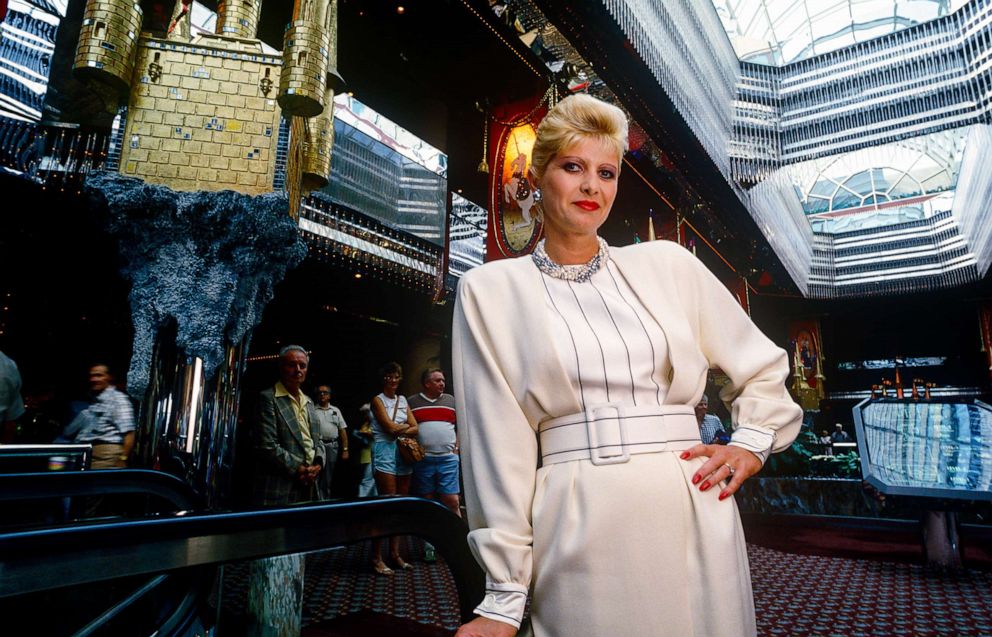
x: 579, y: 273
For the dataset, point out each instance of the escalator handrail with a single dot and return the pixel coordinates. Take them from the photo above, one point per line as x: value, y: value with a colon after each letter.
x: 49, y: 484
x: 53, y: 557
x: 74, y: 483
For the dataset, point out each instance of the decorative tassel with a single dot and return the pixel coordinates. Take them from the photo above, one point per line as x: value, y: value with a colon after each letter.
x: 484, y: 164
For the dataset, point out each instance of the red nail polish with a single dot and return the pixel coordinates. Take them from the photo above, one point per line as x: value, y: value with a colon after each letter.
x: 685, y: 454
x: 696, y: 479
x: 704, y: 486
x: 724, y: 496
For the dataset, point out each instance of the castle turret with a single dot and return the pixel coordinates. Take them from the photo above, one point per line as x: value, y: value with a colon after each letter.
x: 303, y: 78
x: 238, y: 18
x: 108, y: 40
x: 317, y: 149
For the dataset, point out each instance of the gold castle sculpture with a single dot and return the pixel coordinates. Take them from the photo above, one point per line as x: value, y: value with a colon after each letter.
x: 204, y: 110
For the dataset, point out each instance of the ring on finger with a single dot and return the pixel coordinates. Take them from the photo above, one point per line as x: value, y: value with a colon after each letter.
x: 729, y: 468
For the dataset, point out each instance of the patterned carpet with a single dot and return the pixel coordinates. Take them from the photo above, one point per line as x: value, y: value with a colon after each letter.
x: 795, y: 595
x: 342, y: 582
x: 799, y: 595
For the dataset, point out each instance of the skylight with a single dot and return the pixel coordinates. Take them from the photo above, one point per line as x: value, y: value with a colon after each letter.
x: 779, y: 32
x: 892, y: 183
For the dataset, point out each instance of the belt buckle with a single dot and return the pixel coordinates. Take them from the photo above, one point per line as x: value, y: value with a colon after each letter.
x: 596, y: 455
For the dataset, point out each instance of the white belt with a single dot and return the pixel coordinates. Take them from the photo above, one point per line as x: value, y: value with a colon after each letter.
x: 611, y: 433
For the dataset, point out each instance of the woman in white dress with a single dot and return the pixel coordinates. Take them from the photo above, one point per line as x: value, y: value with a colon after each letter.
x: 586, y: 484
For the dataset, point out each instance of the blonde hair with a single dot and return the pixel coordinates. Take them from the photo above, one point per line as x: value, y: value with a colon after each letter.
x: 573, y: 119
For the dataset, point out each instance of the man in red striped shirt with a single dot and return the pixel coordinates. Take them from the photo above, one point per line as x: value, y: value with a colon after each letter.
x: 437, y: 475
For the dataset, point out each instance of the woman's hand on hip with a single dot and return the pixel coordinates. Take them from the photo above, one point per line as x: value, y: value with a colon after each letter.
x: 724, y: 461
x: 485, y: 627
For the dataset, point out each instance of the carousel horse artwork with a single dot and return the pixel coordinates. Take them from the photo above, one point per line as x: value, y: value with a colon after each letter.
x: 518, y: 189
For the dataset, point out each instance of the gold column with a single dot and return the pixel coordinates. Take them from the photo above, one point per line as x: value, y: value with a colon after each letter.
x: 320, y: 140
x: 108, y: 38
x: 330, y: 22
x: 317, y: 147
x: 304, y: 61
x: 294, y: 164
x: 238, y: 18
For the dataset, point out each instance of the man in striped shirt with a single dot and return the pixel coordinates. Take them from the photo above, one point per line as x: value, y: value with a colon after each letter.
x: 437, y: 475
x: 108, y: 423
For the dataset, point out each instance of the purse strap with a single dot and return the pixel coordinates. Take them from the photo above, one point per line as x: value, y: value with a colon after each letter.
x: 396, y: 406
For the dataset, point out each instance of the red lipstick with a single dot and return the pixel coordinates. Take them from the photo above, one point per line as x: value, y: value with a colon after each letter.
x: 587, y: 205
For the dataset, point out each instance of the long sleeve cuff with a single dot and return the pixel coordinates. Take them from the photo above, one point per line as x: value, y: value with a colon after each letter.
x: 757, y: 441
x: 504, y: 603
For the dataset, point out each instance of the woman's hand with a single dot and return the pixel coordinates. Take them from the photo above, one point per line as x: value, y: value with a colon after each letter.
x: 721, y: 459
x: 485, y: 627
x: 412, y: 429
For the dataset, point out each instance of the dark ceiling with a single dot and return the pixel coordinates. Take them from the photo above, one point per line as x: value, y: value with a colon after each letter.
x: 425, y: 69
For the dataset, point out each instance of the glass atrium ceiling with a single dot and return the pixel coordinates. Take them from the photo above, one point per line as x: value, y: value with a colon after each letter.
x: 901, y: 181
x: 779, y: 32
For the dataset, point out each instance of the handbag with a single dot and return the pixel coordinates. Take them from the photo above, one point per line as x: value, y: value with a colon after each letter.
x: 410, y: 450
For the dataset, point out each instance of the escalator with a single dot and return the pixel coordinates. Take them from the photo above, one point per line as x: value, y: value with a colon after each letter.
x: 160, y: 572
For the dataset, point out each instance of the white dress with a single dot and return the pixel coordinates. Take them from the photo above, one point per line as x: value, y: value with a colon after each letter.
x: 612, y: 349
x: 631, y: 548
x: 637, y: 565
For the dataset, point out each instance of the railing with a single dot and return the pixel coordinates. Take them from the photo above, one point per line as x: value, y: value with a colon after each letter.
x: 55, y: 484
x: 44, y: 559
x: 27, y: 458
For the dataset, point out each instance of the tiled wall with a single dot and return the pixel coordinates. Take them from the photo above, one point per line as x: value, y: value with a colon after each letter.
x: 206, y: 121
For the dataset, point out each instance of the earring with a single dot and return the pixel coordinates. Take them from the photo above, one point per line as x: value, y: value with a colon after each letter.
x: 537, y: 195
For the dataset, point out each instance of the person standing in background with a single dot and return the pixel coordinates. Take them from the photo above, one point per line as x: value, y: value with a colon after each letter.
x: 363, y: 437
x: 284, y: 436
x: 437, y: 475
x: 839, y: 435
x: 391, y: 419
x: 289, y: 457
x: 333, y: 435
x: 107, y: 423
x: 709, y: 425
